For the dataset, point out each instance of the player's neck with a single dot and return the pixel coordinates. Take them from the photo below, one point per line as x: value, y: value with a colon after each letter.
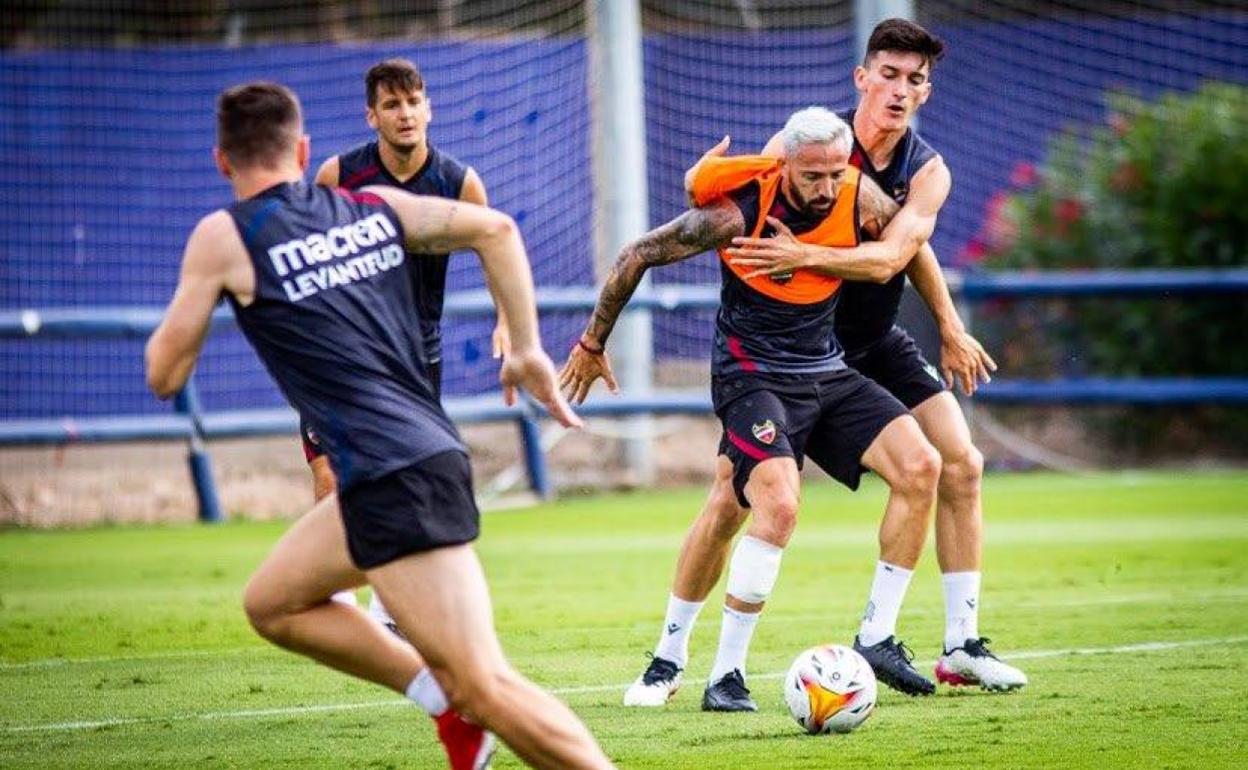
x: 403, y: 163
x: 249, y: 183
x: 879, y: 142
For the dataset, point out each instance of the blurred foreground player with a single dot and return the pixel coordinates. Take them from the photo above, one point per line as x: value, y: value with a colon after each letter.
x: 318, y: 281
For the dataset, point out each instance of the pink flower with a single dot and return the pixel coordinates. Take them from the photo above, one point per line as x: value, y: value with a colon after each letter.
x: 973, y: 252
x: 1068, y: 210
x: 1023, y: 175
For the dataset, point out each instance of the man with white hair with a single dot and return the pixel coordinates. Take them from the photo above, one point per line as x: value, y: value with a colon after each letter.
x: 778, y: 376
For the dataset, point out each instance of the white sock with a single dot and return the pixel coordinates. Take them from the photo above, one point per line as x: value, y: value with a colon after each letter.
x: 879, y: 621
x: 427, y: 693
x: 961, y: 608
x: 674, y: 641
x: 734, y: 642
x: 346, y: 597
x: 379, y: 611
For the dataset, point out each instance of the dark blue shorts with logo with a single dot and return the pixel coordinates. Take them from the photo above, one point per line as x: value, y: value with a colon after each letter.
x: 897, y: 364
x: 831, y: 417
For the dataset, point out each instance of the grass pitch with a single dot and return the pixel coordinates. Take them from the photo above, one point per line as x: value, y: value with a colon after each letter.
x: 1124, y: 598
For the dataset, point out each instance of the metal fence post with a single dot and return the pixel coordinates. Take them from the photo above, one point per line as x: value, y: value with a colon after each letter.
x: 534, y: 458
x: 200, y: 462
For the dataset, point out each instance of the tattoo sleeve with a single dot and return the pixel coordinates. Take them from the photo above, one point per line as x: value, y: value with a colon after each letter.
x: 876, y: 207
x: 691, y: 233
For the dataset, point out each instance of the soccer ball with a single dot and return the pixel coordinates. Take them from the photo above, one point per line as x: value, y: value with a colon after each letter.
x: 830, y: 688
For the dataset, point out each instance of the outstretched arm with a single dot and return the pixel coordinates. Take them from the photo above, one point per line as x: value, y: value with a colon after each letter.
x: 900, y: 233
x: 691, y: 233
x: 214, y: 261
x: 437, y: 225
x: 963, y: 359
x: 473, y: 191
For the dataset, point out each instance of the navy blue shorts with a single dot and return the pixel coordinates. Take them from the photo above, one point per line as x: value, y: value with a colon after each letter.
x: 831, y: 418
x: 424, y: 506
x: 896, y: 363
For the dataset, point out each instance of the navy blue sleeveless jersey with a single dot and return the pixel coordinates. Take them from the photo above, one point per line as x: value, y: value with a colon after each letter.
x: 443, y: 176
x: 868, y: 310
x: 332, y: 321
x: 756, y: 333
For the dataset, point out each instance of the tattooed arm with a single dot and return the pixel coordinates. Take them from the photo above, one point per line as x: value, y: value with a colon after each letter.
x: 900, y: 233
x: 691, y: 233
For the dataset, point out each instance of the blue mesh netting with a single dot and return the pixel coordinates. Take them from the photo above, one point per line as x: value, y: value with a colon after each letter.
x: 104, y: 161
x: 105, y: 167
x: 1002, y: 90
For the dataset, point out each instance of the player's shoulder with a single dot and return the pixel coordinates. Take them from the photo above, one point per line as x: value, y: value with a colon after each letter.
x: 329, y: 171
x: 364, y: 152
x: 922, y: 154
x: 448, y: 168
x: 214, y: 224
x: 216, y: 240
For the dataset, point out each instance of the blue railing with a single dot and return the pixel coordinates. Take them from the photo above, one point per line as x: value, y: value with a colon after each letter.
x: 190, y: 423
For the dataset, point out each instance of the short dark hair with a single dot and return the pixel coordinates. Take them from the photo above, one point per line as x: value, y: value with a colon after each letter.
x: 907, y: 37
x: 258, y: 123
x: 399, y: 75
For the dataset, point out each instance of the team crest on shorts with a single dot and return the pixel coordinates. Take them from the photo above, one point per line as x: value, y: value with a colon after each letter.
x: 935, y: 375
x: 764, y: 431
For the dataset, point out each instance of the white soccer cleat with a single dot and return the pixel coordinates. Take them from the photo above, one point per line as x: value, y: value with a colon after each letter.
x: 973, y: 664
x: 656, y: 686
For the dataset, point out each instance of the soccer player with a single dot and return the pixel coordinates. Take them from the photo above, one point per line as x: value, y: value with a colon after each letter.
x: 318, y: 280
x: 893, y: 81
x: 401, y: 156
x: 778, y: 374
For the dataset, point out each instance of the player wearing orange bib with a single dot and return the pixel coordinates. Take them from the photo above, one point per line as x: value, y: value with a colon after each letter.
x: 778, y: 373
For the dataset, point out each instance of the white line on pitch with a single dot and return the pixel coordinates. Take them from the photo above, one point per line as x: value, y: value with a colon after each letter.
x: 392, y: 702
x: 1232, y: 595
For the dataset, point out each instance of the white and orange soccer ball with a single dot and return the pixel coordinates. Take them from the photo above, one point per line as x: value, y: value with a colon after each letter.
x: 830, y: 689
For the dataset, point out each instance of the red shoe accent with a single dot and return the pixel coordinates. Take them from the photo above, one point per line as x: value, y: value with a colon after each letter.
x: 945, y: 676
x: 468, y: 746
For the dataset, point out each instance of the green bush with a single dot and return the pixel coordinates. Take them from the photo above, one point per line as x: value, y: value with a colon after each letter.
x: 1163, y: 184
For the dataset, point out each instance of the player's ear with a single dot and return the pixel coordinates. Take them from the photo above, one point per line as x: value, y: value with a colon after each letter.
x: 860, y: 78
x: 370, y: 115
x: 925, y: 91
x: 223, y: 163
x: 303, y: 152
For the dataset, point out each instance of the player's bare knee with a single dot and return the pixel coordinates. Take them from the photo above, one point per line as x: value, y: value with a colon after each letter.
x: 920, y: 471
x: 962, y: 470
x: 263, y: 611
x: 775, y: 517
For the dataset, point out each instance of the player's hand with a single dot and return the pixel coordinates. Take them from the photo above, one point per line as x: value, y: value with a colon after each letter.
x: 780, y: 254
x: 964, y: 362
x: 715, y: 152
x: 533, y: 371
x: 581, y: 370
x: 500, y: 341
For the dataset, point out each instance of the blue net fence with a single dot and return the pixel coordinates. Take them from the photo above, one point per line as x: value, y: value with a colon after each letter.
x: 105, y: 163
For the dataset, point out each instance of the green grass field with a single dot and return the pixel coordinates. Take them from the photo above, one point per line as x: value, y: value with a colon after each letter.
x: 1124, y: 597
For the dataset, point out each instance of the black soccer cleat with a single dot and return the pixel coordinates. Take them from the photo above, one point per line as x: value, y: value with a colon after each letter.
x: 891, y: 661
x: 728, y: 694
x: 656, y: 686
